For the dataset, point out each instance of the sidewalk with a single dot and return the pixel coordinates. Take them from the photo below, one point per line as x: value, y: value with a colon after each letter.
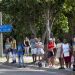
x: 28, y: 63
x: 27, y: 59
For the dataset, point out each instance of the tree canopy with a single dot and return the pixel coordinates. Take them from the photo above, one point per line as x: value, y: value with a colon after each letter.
x: 40, y: 17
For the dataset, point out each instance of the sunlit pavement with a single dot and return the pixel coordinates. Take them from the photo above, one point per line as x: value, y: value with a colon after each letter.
x: 30, y: 69
x: 27, y: 59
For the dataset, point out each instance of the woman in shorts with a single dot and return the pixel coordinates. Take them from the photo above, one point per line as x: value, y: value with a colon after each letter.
x: 40, y: 48
x: 50, y: 47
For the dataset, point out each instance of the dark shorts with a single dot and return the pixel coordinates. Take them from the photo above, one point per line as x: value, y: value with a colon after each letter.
x: 67, y: 59
x: 50, y: 54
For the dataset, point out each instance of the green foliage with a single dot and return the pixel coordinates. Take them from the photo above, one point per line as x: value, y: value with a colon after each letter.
x: 23, y: 13
x: 61, y: 25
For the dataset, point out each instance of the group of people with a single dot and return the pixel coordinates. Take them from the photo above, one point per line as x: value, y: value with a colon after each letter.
x: 61, y: 49
x: 20, y: 49
x: 13, y: 48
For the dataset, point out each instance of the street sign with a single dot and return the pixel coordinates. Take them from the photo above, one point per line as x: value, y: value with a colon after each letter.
x: 6, y: 28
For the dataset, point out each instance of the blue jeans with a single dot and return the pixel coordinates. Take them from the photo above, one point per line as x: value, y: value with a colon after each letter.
x: 20, y: 60
x: 14, y: 55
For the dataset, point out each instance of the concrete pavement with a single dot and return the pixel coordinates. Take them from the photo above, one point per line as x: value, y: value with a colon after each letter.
x: 30, y: 69
x: 12, y: 70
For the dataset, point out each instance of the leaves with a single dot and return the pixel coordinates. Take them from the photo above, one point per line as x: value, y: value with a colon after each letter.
x: 30, y: 16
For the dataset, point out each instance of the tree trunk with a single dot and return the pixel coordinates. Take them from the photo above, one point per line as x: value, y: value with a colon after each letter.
x: 32, y: 30
x: 48, y: 25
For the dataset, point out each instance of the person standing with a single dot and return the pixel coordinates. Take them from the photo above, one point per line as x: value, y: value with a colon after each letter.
x: 13, y: 42
x: 26, y: 43
x: 20, y: 52
x: 66, y: 53
x: 50, y: 47
x: 59, y: 55
x: 7, y: 49
x: 73, y: 53
x: 40, y: 48
x: 33, y: 47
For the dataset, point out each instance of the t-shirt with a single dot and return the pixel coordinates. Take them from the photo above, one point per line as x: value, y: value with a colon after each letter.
x: 50, y: 45
x: 7, y: 45
x: 20, y: 49
x: 66, y: 49
x: 32, y: 43
x: 58, y: 46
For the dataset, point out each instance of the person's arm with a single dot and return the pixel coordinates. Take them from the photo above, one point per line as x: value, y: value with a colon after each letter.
x: 70, y: 49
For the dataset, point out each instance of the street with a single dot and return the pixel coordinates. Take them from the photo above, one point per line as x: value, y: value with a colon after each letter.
x: 12, y: 70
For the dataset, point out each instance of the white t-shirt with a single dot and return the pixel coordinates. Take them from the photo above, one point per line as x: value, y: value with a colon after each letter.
x: 66, y: 49
x: 40, y: 47
x: 58, y: 46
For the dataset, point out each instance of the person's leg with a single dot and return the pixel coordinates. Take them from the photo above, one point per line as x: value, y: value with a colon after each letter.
x: 22, y: 60
x: 74, y: 64
x: 27, y: 50
x: 49, y: 62
x: 49, y: 58
x: 69, y: 63
x: 8, y: 57
x: 14, y: 56
x: 52, y: 60
x: 19, y: 60
x: 39, y: 57
x: 62, y: 62
x: 66, y: 63
x: 35, y: 57
x: 74, y: 61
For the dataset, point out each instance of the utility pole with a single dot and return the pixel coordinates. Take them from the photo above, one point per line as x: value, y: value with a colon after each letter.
x: 1, y: 37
